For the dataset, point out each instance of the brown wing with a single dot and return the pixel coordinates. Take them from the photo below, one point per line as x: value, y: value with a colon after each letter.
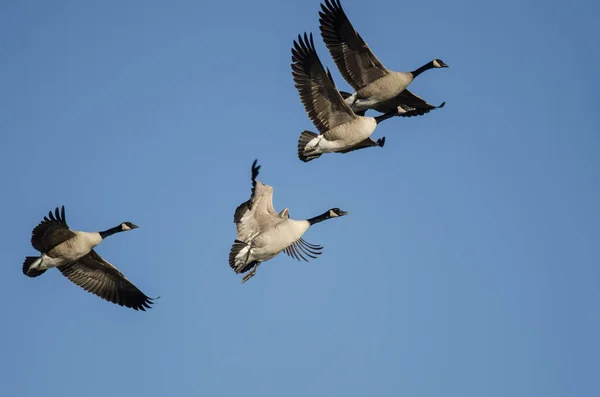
x: 52, y: 231
x: 299, y: 247
x: 257, y: 213
x: 247, y: 205
x: 353, y: 57
x: 322, y: 101
x: 95, y: 275
x: 365, y: 144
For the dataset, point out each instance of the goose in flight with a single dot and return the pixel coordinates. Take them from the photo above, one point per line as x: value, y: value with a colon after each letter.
x: 263, y: 233
x: 73, y: 254
x: 341, y: 130
x: 375, y: 86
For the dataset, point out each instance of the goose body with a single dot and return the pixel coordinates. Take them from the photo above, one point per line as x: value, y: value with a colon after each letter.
x: 270, y: 243
x: 376, y: 87
x: 263, y: 233
x: 342, y: 137
x: 68, y: 251
x: 72, y: 252
x: 341, y: 130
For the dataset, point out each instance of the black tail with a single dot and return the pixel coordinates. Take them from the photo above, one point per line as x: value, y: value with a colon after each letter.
x: 235, y: 249
x: 306, y: 137
x: 29, y: 260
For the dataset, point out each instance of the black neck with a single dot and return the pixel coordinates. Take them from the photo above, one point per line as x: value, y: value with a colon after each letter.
x: 379, y: 119
x: 422, y: 69
x: 324, y: 216
x: 111, y: 231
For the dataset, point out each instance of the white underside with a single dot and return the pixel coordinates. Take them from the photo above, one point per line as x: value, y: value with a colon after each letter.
x: 384, y: 89
x: 350, y: 135
x: 271, y: 242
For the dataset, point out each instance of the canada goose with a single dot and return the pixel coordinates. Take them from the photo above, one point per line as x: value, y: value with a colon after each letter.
x: 262, y: 233
x: 376, y: 87
x: 341, y: 130
x: 72, y: 253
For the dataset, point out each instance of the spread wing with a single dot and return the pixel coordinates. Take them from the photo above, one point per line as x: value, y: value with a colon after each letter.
x: 320, y: 98
x: 258, y: 213
x: 299, y: 247
x: 99, y: 277
x: 52, y: 231
x: 411, y: 103
x: 351, y: 54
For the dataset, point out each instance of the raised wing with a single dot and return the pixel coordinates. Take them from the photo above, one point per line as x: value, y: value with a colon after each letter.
x: 258, y: 213
x: 52, y: 231
x: 299, y: 247
x: 320, y: 98
x: 353, y: 57
x: 99, y: 277
x: 246, y: 205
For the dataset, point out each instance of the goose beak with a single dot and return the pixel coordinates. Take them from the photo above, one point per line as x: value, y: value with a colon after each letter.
x: 342, y: 213
x: 134, y: 226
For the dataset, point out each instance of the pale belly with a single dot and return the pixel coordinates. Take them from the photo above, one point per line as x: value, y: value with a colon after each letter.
x: 68, y: 252
x: 269, y: 244
x: 347, y: 135
x: 379, y: 91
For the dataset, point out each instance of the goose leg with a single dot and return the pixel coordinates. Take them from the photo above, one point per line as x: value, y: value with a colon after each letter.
x: 250, y: 274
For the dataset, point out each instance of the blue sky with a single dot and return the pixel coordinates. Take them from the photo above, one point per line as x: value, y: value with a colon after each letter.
x: 468, y: 264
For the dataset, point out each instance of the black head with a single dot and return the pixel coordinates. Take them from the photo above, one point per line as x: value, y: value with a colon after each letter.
x: 336, y: 212
x: 438, y: 63
x: 125, y: 226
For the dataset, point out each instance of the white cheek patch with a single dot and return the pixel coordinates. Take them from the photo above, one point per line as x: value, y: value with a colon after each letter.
x: 332, y: 214
x: 436, y: 63
x: 125, y: 227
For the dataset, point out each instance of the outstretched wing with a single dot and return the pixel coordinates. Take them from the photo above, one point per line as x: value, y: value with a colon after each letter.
x: 257, y: 213
x: 52, y: 231
x: 320, y: 98
x: 353, y: 57
x: 299, y: 247
x: 99, y: 277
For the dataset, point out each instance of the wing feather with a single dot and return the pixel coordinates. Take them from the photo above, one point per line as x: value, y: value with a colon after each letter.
x: 353, y: 57
x: 52, y: 231
x: 412, y: 104
x: 300, y: 246
x: 256, y: 214
x: 322, y: 101
x: 96, y: 275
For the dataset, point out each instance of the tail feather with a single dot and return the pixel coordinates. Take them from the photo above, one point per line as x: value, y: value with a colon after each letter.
x: 239, y: 250
x: 304, y: 139
x: 29, y: 266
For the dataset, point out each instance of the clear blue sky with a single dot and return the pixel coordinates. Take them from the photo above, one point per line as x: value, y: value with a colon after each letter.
x: 468, y: 264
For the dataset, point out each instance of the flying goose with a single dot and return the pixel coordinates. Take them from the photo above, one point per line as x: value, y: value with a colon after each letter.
x: 341, y: 130
x: 72, y: 253
x: 376, y: 87
x: 262, y: 233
